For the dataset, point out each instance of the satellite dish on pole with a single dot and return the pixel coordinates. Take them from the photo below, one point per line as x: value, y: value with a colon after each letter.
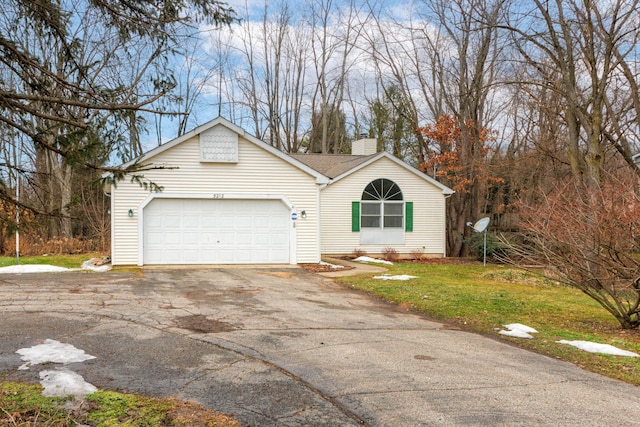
x: 481, y: 225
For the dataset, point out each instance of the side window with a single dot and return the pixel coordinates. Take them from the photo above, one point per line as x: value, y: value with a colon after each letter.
x: 383, y: 214
x: 382, y: 205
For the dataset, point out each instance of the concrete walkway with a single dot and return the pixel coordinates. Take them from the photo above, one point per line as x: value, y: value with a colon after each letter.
x: 283, y: 347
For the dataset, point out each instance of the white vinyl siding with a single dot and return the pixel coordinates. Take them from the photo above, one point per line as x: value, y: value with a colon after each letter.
x: 428, y: 211
x: 257, y: 172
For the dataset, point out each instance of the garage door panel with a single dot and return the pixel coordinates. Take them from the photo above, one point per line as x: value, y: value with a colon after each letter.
x: 262, y: 239
x: 244, y: 257
x: 192, y: 221
x: 172, y: 238
x: 154, y: 238
x: 277, y: 240
x: 154, y: 221
x: 261, y: 222
x: 244, y: 239
x: 191, y: 231
x: 222, y: 222
x: 190, y: 257
x: 225, y: 257
x: 190, y: 238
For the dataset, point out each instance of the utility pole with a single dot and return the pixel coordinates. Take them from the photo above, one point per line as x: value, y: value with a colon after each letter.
x: 16, y: 163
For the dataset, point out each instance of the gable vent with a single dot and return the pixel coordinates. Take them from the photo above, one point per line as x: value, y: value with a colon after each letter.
x: 219, y: 145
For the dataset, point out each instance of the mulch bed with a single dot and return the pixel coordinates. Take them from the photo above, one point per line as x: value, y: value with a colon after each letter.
x: 321, y: 268
x: 444, y: 261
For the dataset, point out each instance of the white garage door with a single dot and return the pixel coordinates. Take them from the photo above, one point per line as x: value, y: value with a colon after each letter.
x: 189, y: 231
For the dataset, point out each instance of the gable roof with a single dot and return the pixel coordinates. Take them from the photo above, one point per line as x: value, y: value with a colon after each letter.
x: 326, y: 168
x: 338, y: 166
x: 331, y: 165
x: 320, y: 178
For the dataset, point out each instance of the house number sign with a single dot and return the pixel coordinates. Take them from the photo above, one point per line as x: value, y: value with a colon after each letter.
x: 218, y: 195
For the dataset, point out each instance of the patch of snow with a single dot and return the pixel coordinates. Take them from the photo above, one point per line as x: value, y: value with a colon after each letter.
x: 369, y: 259
x: 593, y: 347
x: 516, y: 334
x: 92, y: 265
x: 518, y: 330
x: 32, y: 268
x: 63, y: 382
x: 52, y: 351
x: 333, y: 266
x: 398, y: 277
x: 100, y: 265
x: 97, y: 264
x: 521, y: 327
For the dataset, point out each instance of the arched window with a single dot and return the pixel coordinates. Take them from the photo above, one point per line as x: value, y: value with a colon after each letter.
x: 382, y: 205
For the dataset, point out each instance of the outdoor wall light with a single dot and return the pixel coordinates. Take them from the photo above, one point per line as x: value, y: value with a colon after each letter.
x: 303, y: 214
x: 130, y: 213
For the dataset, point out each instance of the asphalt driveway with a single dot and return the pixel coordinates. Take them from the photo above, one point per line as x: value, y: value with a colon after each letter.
x: 285, y: 347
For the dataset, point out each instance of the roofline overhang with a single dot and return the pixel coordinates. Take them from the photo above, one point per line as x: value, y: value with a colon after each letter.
x: 445, y: 190
x: 320, y: 178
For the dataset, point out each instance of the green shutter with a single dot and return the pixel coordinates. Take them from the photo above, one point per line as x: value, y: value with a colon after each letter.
x: 355, y: 216
x: 408, y: 216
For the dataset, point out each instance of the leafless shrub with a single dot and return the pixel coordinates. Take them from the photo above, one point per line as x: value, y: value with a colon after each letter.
x: 418, y: 254
x: 357, y: 253
x: 586, y: 236
x: 390, y: 254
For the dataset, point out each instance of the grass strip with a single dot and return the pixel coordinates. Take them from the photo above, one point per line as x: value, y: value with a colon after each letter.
x: 23, y: 405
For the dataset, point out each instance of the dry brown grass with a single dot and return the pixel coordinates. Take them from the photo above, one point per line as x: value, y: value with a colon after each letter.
x: 34, y: 246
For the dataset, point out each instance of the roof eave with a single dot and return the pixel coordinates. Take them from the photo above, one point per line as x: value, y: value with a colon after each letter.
x: 320, y: 178
x: 445, y: 190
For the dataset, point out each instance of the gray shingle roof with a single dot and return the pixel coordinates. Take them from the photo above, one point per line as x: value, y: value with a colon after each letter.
x: 331, y: 165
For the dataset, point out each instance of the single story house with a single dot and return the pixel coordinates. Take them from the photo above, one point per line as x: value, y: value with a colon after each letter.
x: 230, y: 198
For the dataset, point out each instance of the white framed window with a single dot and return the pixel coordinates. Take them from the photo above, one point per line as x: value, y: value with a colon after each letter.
x: 382, y: 213
x: 382, y: 205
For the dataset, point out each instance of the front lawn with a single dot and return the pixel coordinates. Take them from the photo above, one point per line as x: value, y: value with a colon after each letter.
x: 483, y: 299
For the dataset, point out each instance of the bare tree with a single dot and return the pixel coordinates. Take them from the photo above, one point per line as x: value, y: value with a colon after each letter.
x: 272, y: 74
x: 578, y: 70
x: 69, y: 92
x: 585, y: 236
x: 584, y: 51
x: 445, y: 62
x: 336, y: 32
